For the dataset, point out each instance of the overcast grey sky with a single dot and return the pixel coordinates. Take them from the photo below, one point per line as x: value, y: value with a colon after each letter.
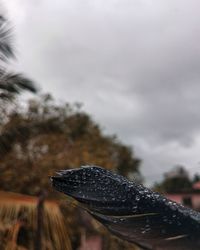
x: 135, y: 64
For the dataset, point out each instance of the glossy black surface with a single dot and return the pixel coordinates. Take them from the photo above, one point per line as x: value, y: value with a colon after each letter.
x: 131, y: 211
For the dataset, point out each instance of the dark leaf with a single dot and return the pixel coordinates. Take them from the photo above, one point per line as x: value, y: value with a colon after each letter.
x: 130, y: 210
x: 11, y: 84
x: 6, y: 49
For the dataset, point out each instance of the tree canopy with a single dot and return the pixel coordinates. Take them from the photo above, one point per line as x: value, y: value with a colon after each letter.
x: 176, y: 181
x: 46, y: 137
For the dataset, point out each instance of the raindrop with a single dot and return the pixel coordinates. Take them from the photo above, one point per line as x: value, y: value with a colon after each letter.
x: 137, y: 197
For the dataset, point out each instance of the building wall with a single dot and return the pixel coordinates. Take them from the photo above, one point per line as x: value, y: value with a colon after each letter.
x: 181, y: 198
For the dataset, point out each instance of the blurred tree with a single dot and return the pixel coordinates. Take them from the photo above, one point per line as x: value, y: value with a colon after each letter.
x: 196, y: 178
x: 47, y: 137
x: 174, y: 184
x: 174, y: 181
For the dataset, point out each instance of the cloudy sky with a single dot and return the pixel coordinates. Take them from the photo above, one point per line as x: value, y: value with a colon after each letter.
x: 135, y: 64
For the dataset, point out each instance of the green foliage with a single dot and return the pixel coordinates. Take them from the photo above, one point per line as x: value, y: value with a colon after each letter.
x: 176, y: 181
x: 11, y: 84
x: 196, y: 178
x: 6, y: 48
x: 47, y: 137
x: 175, y: 184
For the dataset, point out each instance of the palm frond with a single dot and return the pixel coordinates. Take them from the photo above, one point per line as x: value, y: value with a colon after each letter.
x: 12, y: 84
x: 131, y: 211
x: 13, y: 206
x: 6, y: 48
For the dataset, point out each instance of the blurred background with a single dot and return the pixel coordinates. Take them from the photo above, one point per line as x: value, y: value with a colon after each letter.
x: 111, y: 83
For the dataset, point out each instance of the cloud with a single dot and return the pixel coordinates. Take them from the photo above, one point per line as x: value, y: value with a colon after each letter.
x: 134, y: 65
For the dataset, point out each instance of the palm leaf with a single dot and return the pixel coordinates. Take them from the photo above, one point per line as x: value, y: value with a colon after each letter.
x: 55, y: 235
x: 12, y: 84
x: 130, y: 210
x: 6, y: 48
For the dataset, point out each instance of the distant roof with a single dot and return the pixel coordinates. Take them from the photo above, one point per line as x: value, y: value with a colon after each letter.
x: 196, y: 185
